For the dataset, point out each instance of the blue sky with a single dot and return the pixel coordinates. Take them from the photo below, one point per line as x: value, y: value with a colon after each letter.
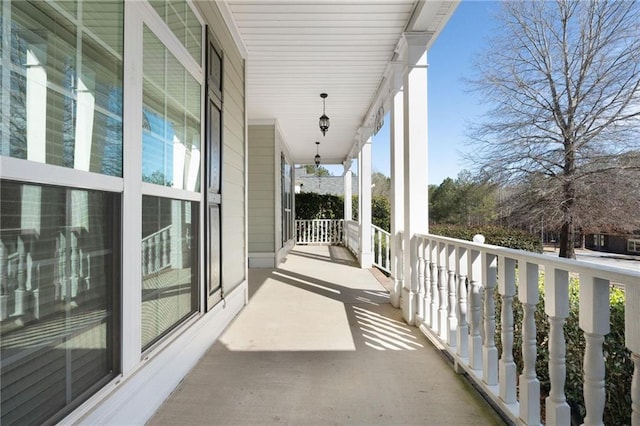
x: 451, y: 106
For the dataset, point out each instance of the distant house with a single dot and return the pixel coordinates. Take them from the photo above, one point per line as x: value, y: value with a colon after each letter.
x: 614, y: 243
x: 321, y: 184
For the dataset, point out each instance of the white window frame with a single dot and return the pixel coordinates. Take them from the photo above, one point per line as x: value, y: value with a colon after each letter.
x: 635, y: 243
x: 51, y: 174
x: 138, y: 15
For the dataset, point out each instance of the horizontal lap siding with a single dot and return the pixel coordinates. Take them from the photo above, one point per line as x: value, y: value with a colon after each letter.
x: 261, y: 188
x: 233, y: 152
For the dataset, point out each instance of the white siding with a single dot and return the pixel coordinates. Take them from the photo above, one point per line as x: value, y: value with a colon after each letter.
x: 233, y: 152
x: 262, y: 191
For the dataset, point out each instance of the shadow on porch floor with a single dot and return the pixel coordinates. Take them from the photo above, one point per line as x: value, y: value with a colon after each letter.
x: 320, y: 344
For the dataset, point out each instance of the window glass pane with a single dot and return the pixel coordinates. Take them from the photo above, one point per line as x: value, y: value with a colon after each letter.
x: 62, y: 84
x: 183, y: 23
x: 169, y: 265
x: 171, y: 120
x: 58, y: 284
x: 287, y: 200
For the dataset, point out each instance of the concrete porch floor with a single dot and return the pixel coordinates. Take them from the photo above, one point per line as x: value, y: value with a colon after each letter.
x: 320, y: 344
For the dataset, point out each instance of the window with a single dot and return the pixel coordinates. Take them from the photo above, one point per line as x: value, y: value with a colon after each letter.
x: 62, y: 85
x: 183, y: 23
x: 58, y: 293
x: 171, y: 161
x: 61, y: 79
x: 171, y: 119
x: 169, y: 265
x: 633, y: 246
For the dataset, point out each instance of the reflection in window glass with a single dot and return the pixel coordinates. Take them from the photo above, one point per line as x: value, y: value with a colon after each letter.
x: 62, y: 84
x: 287, y: 196
x: 171, y: 120
x: 183, y: 23
x: 58, y: 286
x: 169, y: 265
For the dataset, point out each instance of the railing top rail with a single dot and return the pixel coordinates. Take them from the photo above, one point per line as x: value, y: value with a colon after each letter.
x: 377, y: 228
x: 318, y: 220
x: 160, y: 231
x: 610, y: 273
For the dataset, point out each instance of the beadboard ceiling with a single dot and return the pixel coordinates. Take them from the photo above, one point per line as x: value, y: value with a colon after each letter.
x: 298, y: 49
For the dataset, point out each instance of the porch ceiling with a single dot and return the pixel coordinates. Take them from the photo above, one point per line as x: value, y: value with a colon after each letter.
x: 298, y: 49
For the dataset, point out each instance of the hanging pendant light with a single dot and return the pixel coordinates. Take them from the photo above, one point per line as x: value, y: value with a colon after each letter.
x: 324, y: 120
x: 316, y: 159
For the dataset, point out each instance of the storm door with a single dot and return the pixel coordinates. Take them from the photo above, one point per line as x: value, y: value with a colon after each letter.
x: 213, y: 142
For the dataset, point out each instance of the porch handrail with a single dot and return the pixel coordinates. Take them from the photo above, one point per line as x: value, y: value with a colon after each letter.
x: 452, y: 277
x: 319, y: 231
x: 381, y: 248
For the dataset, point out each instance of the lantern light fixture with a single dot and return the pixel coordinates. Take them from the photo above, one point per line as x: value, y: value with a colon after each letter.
x: 324, y: 120
x: 316, y: 159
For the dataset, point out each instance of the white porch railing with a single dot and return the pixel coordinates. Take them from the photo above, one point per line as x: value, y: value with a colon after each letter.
x: 381, y: 248
x: 156, y: 254
x: 352, y: 237
x: 456, y: 286
x: 320, y: 231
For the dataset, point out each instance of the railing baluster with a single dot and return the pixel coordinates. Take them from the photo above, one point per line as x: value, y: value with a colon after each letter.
x: 387, y: 257
x: 325, y: 231
x: 427, y: 282
x: 20, y: 293
x: 4, y: 281
x: 166, y: 248
x: 420, y: 295
x: 452, y: 320
x: 62, y: 265
x: 433, y: 258
x: 556, y: 305
x: 489, y: 349
x: 529, y: 383
x: 157, y: 242
x: 442, y: 290
x: 594, y: 321
x: 475, y: 339
x: 309, y: 231
x: 75, y: 265
x: 145, y: 257
x: 507, y: 366
x: 379, y: 238
x: 462, y: 334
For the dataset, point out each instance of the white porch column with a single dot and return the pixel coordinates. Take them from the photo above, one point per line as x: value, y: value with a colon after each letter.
x: 364, y: 205
x: 415, y: 165
x: 348, y: 208
x: 397, y: 183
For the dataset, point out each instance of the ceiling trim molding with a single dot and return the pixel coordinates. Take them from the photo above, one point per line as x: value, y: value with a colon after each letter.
x: 225, y: 11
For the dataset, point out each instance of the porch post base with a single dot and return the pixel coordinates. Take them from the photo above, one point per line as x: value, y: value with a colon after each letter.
x: 366, y: 260
x: 20, y: 302
x: 395, y: 293
x: 4, y: 312
x: 409, y: 302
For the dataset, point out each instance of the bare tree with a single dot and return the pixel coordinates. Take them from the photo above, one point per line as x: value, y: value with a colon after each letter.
x: 381, y: 185
x: 563, y: 82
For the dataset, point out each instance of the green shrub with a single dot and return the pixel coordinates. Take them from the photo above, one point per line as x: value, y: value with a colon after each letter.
x: 619, y: 367
x: 381, y: 212
x: 495, y: 235
x: 310, y: 205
